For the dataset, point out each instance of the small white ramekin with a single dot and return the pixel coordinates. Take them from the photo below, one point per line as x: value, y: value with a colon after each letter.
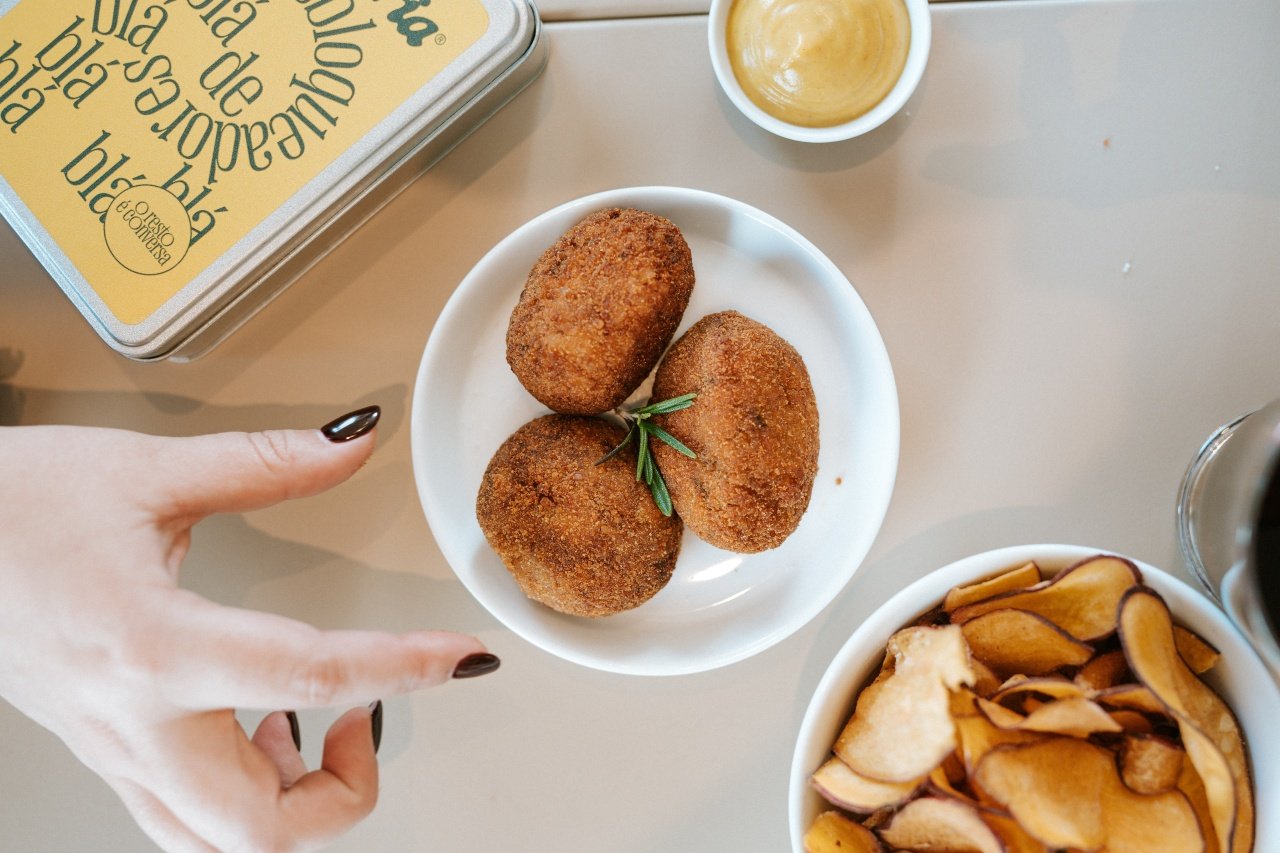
x: 917, y: 57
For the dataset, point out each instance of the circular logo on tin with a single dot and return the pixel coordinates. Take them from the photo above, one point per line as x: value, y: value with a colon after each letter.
x: 147, y: 230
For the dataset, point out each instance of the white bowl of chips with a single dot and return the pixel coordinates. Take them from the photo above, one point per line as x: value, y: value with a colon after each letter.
x: 992, y: 724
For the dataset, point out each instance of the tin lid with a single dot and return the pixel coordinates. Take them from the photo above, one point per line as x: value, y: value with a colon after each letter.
x: 159, y: 157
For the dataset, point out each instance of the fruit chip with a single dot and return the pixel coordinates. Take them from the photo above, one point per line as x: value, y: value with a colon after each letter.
x: 1077, y: 717
x: 832, y: 832
x: 1135, y: 697
x: 936, y: 823
x: 901, y: 727
x: 1016, y: 641
x: 1055, y: 687
x: 1195, y: 651
x: 842, y: 786
x: 1150, y: 764
x: 1066, y: 792
x: 1100, y: 736
x: 1082, y: 600
x: 1208, y: 728
x: 1133, y: 722
x: 1106, y: 670
x: 1015, y: 579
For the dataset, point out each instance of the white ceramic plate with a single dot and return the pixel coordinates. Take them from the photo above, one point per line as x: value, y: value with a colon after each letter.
x: 1239, y: 677
x: 719, y: 607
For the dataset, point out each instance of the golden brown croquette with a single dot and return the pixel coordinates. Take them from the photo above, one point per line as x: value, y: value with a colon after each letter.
x: 581, y: 538
x: 754, y: 427
x: 598, y: 309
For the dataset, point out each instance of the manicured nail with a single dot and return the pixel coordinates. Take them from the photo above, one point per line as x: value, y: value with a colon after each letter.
x: 353, y: 424
x: 375, y: 720
x: 294, y: 729
x: 481, y: 663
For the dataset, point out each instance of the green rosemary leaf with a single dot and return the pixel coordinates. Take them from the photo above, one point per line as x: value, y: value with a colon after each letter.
x: 660, y: 494
x: 638, y: 421
x: 643, y: 453
x: 616, y: 450
x: 665, y: 407
x: 666, y: 437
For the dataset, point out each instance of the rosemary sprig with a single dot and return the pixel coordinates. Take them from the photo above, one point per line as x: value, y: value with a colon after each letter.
x: 639, y: 423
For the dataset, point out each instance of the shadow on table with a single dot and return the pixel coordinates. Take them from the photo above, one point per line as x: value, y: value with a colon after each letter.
x: 11, y: 397
x: 163, y: 413
x: 823, y: 157
x: 234, y: 563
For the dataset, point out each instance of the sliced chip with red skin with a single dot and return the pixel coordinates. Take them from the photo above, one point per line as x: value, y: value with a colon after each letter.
x: 1219, y: 786
x: 1081, y: 600
x: 1052, y: 686
x: 985, y: 681
x: 998, y: 715
x: 1105, y: 670
x: 1135, y: 697
x: 940, y: 781
x: 1058, y: 807
x: 1077, y: 717
x: 1192, y: 787
x: 978, y: 736
x: 832, y: 832
x: 1133, y: 722
x: 1013, y: 836
x: 901, y: 727
x: 940, y: 824
x: 1020, y: 642
x: 1022, y: 577
x: 1015, y: 680
x: 1209, y: 731
x: 1197, y: 652
x: 841, y: 786
x: 1150, y: 764
x: 1164, y: 822
x: 1066, y: 792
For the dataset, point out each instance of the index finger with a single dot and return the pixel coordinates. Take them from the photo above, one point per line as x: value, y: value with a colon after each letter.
x: 224, y: 657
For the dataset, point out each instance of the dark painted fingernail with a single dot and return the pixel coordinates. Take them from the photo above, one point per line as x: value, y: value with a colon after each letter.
x: 375, y: 720
x: 294, y: 729
x: 481, y: 663
x: 353, y: 424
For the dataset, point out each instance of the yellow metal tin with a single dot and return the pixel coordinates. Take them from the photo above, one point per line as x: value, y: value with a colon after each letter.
x: 172, y: 164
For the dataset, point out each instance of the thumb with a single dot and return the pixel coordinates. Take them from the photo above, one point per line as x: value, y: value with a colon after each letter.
x: 240, y: 471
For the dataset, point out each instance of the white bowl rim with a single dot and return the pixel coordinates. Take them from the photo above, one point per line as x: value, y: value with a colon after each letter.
x: 837, y: 683
x: 918, y: 15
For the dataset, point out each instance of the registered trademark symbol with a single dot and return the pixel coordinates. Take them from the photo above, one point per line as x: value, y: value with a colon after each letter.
x: 440, y: 39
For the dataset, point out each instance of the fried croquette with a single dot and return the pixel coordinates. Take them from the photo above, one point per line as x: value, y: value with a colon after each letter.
x: 753, y: 426
x: 598, y: 309
x: 581, y: 538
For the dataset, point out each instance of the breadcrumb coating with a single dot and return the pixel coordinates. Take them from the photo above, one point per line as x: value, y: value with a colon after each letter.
x: 581, y: 538
x: 754, y: 427
x: 598, y: 309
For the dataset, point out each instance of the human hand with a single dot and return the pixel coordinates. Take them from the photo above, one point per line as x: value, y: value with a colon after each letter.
x: 140, y: 678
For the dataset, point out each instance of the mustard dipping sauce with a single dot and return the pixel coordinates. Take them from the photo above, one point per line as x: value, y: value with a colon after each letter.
x: 817, y: 63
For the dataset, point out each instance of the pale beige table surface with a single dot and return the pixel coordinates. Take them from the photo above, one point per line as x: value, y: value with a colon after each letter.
x: 1068, y: 239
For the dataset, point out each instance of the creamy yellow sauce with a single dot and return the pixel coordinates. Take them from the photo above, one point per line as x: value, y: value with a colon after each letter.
x: 817, y: 63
